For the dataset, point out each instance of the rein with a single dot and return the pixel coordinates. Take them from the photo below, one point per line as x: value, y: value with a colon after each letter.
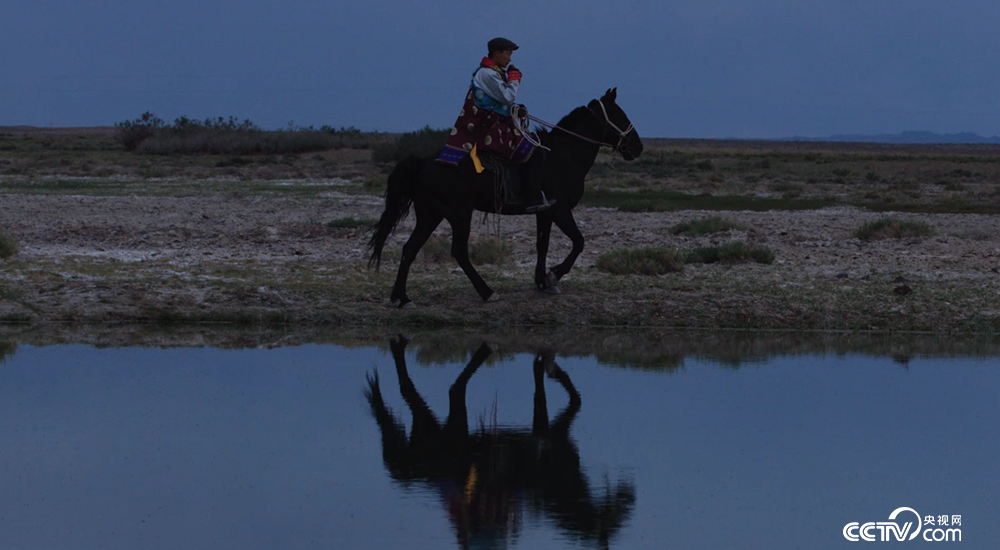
x: 607, y: 120
x: 570, y: 132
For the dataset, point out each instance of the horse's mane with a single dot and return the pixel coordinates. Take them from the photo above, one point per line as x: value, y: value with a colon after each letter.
x: 568, y: 121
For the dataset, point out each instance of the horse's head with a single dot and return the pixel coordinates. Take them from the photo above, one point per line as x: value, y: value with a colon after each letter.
x: 618, y: 130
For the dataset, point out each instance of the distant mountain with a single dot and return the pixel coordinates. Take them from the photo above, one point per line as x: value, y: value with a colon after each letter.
x: 905, y: 137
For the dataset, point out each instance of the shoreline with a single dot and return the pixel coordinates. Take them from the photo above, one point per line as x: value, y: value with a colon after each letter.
x: 637, y: 348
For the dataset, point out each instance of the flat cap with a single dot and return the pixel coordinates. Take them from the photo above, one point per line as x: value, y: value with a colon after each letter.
x: 500, y: 44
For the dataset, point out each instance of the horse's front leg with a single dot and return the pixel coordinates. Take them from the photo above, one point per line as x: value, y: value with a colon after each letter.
x: 543, y: 223
x: 540, y: 418
x: 565, y: 222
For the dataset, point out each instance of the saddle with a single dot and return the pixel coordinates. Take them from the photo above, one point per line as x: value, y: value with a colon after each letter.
x: 509, y: 187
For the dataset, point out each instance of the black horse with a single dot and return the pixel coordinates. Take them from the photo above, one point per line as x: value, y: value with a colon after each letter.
x: 485, y: 479
x: 438, y: 192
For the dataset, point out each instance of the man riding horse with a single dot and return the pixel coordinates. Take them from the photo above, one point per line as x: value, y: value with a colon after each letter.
x: 486, y: 125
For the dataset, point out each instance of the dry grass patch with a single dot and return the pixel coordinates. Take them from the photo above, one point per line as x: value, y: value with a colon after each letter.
x: 482, y: 250
x: 893, y: 228
x: 350, y: 223
x: 437, y: 249
x: 641, y: 261
x: 7, y: 246
x: 705, y: 226
x: 490, y: 250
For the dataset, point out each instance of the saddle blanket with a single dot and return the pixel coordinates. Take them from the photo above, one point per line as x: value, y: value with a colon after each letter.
x: 489, y: 132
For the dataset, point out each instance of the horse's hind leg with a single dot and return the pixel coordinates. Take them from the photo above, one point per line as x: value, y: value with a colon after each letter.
x: 425, y: 424
x: 427, y: 222
x: 460, y: 229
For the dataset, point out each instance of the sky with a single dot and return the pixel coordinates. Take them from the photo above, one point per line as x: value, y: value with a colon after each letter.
x: 684, y: 69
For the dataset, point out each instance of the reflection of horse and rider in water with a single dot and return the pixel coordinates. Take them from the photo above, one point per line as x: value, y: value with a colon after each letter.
x: 487, y: 478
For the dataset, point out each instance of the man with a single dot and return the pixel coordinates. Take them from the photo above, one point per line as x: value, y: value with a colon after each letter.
x: 485, y: 122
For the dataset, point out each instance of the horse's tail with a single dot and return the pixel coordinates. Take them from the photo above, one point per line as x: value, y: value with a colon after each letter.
x: 398, y: 198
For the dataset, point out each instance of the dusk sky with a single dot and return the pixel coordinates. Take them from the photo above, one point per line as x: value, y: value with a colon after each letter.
x: 709, y: 69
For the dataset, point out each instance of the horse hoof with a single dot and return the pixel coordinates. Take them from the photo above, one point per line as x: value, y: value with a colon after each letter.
x: 551, y: 280
x: 493, y: 297
x: 408, y: 305
x: 552, y: 290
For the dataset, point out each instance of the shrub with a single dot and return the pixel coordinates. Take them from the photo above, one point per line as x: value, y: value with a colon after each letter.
x: 422, y: 143
x: 705, y: 226
x: 7, y: 246
x: 731, y: 252
x: 893, y: 228
x: 640, y: 261
x: 490, y: 250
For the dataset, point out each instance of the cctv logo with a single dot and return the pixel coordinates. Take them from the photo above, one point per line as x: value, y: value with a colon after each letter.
x: 891, y: 530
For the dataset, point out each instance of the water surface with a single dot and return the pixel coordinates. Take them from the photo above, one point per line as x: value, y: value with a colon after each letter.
x: 283, y: 448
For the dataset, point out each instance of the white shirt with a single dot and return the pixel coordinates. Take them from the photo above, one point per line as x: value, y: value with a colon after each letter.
x: 490, y: 81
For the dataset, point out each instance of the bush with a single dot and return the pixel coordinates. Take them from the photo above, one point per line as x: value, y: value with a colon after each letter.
x: 7, y: 246
x: 893, y: 228
x: 422, y: 143
x: 705, y: 226
x: 640, y: 261
x: 731, y: 252
x: 132, y: 133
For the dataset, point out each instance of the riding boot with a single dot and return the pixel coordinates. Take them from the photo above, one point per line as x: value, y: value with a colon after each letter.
x: 537, y: 201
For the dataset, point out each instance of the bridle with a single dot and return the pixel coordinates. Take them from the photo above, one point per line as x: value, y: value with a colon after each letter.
x: 606, y: 120
x: 622, y: 134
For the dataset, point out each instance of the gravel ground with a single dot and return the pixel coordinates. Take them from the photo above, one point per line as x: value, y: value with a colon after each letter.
x: 224, y: 258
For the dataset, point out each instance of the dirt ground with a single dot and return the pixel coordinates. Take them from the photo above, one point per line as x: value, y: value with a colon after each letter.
x: 266, y: 259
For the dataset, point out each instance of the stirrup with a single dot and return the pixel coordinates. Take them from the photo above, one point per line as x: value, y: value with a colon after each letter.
x: 544, y: 205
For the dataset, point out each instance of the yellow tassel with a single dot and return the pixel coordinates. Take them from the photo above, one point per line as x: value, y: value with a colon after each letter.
x: 470, y: 483
x: 475, y: 160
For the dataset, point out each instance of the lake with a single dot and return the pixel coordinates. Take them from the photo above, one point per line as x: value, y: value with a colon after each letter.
x: 450, y: 442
